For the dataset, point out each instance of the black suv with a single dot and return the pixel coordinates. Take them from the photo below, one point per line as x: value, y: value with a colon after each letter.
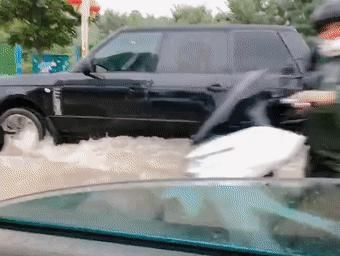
x: 163, y: 81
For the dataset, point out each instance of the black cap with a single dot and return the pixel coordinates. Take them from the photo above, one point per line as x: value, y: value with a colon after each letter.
x: 327, y: 13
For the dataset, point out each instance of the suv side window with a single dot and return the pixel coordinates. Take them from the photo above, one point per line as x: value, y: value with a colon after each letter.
x: 195, y: 52
x: 129, y: 51
x: 261, y: 50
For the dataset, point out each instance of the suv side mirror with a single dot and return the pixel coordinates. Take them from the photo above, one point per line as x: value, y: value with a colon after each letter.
x: 86, y: 68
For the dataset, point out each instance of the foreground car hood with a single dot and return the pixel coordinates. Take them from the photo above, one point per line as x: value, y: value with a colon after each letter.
x: 40, y: 79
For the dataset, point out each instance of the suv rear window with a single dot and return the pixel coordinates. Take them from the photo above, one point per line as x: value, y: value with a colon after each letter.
x: 260, y: 50
x: 195, y: 52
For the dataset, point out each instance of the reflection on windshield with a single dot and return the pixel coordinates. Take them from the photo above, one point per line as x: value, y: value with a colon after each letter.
x: 286, y: 217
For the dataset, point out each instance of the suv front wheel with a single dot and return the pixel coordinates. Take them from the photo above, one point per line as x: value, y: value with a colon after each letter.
x: 25, y: 124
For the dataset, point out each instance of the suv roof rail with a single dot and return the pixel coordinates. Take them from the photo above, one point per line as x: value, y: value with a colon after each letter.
x: 208, y: 27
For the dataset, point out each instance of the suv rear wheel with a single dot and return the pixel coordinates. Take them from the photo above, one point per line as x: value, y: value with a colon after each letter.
x: 17, y: 121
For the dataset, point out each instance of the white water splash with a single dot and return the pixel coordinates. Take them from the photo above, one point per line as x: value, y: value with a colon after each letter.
x: 28, y: 167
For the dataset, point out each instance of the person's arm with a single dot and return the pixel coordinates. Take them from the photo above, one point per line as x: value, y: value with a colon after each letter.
x: 315, y: 98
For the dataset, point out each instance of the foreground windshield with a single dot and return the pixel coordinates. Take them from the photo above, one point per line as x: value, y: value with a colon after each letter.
x: 286, y: 217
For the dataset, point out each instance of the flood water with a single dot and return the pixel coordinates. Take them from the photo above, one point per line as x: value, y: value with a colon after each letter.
x: 27, y: 168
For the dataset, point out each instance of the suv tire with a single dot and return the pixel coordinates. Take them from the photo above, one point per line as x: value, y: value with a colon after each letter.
x: 32, y: 116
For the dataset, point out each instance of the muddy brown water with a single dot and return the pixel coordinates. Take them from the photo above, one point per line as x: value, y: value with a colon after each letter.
x: 27, y: 168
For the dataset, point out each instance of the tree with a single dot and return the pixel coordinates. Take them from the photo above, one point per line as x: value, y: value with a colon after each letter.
x: 222, y: 17
x: 135, y: 19
x: 282, y: 12
x: 255, y: 12
x: 38, y: 24
x: 298, y: 12
x: 185, y: 14
x: 3, y: 36
x: 110, y: 21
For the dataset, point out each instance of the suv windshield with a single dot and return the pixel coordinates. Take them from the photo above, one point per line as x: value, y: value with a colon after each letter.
x: 282, y: 218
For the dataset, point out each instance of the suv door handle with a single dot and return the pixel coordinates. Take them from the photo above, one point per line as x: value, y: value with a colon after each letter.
x: 134, y: 88
x: 292, y: 76
x: 141, y: 85
x: 138, y: 87
x: 216, y: 88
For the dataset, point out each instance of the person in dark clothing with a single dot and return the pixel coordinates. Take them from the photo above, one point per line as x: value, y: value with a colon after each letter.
x: 323, y: 126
